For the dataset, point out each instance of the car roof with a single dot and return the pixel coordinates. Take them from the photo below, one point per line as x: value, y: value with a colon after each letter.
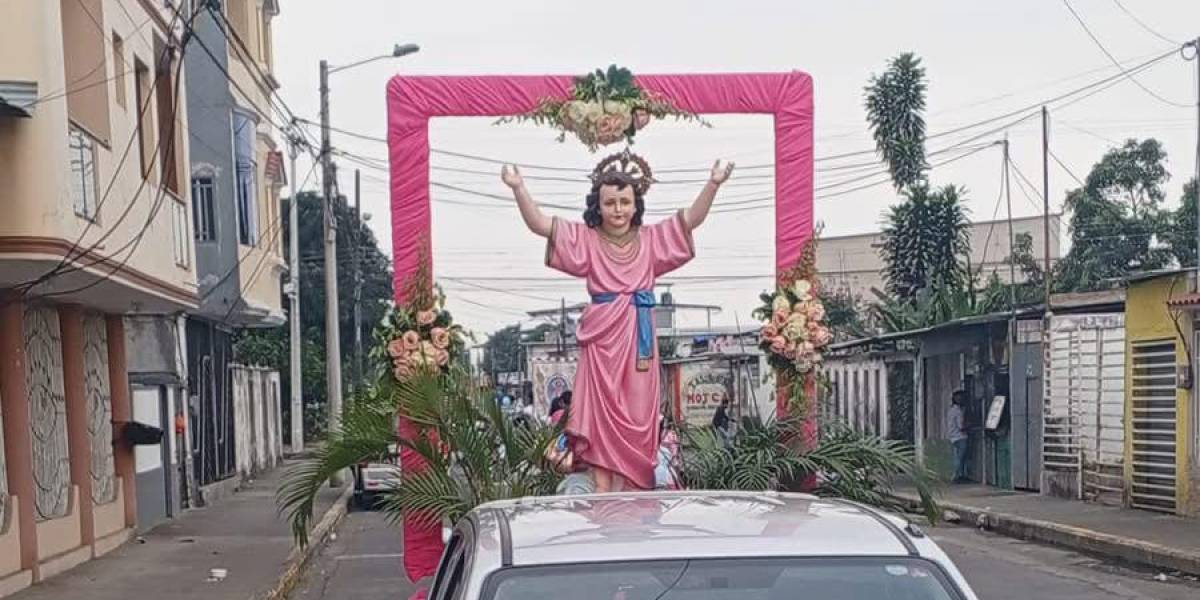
x: 677, y: 525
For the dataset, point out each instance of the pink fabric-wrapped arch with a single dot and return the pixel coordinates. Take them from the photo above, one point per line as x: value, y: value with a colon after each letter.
x: 412, y: 101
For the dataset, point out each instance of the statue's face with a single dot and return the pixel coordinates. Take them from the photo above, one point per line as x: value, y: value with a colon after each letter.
x: 617, y: 207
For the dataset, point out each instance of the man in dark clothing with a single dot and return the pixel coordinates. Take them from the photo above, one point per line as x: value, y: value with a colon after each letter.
x: 720, y: 420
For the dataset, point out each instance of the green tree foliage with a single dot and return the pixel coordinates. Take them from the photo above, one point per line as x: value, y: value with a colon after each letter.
x: 925, y: 241
x: 845, y: 313
x: 502, y: 351
x: 269, y: 347
x: 1115, y: 217
x: 895, y: 103
x: 1180, y: 233
x: 1031, y: 279
x: 851, y: 465
x: 477, y: 454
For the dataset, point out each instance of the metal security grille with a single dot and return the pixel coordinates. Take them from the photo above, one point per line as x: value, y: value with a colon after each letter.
x: 1085, y: 405
x: 1154, y: 419
x: 1060, y: 437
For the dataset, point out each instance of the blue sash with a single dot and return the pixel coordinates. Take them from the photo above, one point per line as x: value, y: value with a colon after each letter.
x: 644, y: 302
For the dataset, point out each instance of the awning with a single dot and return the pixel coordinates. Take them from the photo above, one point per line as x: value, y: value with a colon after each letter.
x: 17, y: 98
x: 1185, y: 301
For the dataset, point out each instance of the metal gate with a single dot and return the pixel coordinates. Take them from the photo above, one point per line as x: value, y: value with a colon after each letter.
x: 210, y: 408
x: 1083, y: 422
x: 1154, y: 418
x: 1025, y: 408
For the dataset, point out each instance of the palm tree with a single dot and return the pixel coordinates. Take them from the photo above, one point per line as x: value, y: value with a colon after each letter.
x: 475, y: 453
x: 925, y: 240
x: 895, y: 102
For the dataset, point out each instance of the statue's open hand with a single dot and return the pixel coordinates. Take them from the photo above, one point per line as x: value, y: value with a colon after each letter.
x: 720, y: 173
x: 511, y: 176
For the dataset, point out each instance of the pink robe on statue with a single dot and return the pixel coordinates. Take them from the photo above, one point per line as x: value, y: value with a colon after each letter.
x: 613, y: 421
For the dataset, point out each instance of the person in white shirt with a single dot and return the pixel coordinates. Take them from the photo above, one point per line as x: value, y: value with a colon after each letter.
x: 956, y: 432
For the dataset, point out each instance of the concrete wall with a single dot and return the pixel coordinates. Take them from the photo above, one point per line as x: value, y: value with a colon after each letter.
x: 63, y: 382
x: 853, y: 261
x: 210, y: 104
x: 238, y: 282
x: 257, y: 421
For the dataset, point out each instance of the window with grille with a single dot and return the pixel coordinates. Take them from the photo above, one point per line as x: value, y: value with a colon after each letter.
x: 246, y: 183
x: 179, y: 231
x: 203, y: 214
x: 82, y: 150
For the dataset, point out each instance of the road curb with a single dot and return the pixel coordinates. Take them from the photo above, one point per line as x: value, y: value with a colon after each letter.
x: 1085, y: 540
x: 299, y: 557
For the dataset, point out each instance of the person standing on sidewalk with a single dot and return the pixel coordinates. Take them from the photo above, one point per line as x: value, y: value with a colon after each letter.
x: 956, y: 431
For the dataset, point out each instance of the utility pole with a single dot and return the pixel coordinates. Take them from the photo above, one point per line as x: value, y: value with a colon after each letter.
x: 1046, y: 201
x: 295, y: 340
x: 1195, y: 44
x: 1012, y: 265
x: 358, y: 346
x: 333, y: 346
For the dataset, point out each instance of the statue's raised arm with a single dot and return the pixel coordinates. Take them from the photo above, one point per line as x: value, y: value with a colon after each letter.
x: 535, y: 219
x: 698, y: 211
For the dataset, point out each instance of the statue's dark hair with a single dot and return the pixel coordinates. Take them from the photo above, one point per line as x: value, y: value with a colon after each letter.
x: 591, y: 215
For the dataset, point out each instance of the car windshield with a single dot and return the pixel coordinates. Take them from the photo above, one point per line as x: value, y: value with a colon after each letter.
x: 713, y: 579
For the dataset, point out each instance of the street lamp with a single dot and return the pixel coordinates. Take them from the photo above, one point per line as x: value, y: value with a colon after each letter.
x: 333, y: 346
x: 397, y: 51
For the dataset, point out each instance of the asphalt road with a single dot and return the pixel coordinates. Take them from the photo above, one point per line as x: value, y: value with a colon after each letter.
x: 363, y: 563
x: 1001, y: 568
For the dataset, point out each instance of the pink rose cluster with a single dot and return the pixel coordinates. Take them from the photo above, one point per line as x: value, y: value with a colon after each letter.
x: 796, y: 329
x: 601, y: 122
x: 415, y: 351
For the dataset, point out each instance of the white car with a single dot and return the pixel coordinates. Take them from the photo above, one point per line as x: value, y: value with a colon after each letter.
x: 371, y: 478
x: 691, y: 545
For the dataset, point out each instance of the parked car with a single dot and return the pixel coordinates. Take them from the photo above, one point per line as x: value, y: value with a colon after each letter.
x: 684, y: 545
x: 371, y: 478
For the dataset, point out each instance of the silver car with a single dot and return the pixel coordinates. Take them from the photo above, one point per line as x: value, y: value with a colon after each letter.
x: 684, y: 545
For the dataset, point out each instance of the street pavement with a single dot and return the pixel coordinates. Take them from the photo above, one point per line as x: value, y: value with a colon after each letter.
x: 1000, y: 568
x: 363, y: 563
x: 242, y: 534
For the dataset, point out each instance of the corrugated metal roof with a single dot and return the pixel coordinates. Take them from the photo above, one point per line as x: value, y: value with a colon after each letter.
x: 959, y: 322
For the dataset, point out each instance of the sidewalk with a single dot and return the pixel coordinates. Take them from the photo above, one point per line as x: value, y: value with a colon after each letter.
x: 242, y: 534
x: 1140, y: 537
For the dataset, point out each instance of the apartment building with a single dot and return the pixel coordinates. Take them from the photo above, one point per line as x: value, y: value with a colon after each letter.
x: 236, y: 172
x: 94, y: 231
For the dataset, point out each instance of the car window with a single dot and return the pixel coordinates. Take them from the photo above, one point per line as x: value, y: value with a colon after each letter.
x: 740, y: 579
x: 454, y: 580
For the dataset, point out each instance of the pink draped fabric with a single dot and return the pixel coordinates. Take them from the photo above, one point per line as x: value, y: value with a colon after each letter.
x: 613, y: 422
x: 412, y: 101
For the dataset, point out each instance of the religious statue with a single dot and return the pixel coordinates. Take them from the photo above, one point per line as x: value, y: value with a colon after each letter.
x: 613, y: 423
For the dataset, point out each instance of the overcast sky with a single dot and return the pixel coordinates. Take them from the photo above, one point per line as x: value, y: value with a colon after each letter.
x: 983, y: 59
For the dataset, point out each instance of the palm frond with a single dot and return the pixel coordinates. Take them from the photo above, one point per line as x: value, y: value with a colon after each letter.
x: 367, y: 433
x: 847, y: 463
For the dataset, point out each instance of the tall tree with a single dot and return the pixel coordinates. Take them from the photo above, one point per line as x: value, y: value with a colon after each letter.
x: 1180, y: 233
x: 1116, y: 217
x: 502, y: 351
x: 269, y: 347
x: 895, y: 103
x: 845, y: 313
x: 925, y: 241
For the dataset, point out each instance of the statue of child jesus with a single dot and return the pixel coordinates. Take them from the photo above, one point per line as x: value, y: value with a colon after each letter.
x: 613, y: 422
